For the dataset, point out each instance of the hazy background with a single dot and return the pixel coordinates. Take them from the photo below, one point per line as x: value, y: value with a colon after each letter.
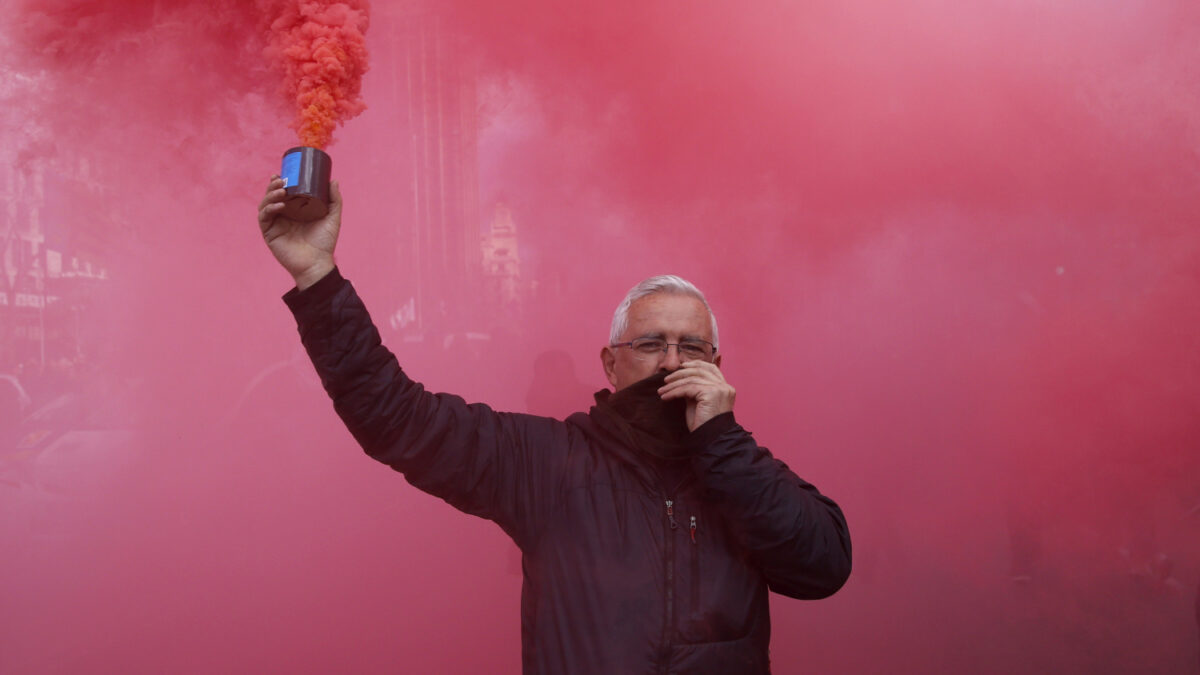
x: 953, y: 248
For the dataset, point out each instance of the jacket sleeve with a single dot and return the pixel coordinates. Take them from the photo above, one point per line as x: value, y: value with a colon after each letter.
x: 478, y: 460
x: 797, y: 536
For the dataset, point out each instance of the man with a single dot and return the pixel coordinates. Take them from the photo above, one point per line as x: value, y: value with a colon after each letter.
x: 651, y: 527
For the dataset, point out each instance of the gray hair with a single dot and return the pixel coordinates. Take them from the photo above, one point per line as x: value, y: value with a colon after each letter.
x: 664, y: 283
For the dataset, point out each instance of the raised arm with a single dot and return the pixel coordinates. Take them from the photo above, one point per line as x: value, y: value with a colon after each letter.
x: 485, y: 463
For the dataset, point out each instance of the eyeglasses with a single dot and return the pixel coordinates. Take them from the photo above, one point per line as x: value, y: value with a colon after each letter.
x: 653, y: 348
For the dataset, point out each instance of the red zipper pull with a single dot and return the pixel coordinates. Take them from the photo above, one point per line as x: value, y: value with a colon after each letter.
x: 671, y: 514
x: 693, y: 528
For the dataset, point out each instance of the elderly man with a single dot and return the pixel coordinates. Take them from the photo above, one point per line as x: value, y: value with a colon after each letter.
x: 650, y: 527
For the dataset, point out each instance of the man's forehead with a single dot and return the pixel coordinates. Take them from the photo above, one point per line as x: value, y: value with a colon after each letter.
x: 670, y: 310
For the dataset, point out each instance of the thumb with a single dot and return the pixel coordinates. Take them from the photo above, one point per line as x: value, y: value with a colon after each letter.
x: 335, y: 198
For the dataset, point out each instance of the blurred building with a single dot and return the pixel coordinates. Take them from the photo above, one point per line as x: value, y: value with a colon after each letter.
x: 502, y: 260
x: 431, y: 83
x: 48, y: 280
x: 508, y: 285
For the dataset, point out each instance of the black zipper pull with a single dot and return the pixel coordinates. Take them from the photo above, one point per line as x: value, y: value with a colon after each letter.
x: 671, y: 514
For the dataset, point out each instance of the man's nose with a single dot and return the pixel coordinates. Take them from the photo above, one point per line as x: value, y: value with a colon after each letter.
x: 671, y: 360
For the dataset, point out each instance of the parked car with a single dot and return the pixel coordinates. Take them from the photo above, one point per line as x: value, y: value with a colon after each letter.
x: 67, y: 454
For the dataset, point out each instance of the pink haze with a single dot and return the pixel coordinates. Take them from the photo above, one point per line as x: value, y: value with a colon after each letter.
x: 952, y: 248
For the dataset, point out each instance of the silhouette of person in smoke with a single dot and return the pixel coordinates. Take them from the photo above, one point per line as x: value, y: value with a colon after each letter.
x: 651, y: 527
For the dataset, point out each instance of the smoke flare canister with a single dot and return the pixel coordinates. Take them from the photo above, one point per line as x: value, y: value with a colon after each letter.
x: 305, y: 176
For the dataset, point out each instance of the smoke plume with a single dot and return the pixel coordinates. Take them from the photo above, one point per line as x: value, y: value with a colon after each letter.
x: 320, y: 48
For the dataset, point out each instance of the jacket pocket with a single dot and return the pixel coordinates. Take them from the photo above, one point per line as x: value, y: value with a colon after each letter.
x: 721, y: 594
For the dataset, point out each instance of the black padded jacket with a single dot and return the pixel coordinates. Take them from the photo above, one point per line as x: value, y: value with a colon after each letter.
x: 621, y: 575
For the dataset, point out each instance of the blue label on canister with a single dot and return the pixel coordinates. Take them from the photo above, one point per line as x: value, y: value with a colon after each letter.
x: 291, y: 169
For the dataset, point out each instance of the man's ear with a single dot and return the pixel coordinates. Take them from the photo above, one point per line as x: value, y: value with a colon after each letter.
x: 609, y: 360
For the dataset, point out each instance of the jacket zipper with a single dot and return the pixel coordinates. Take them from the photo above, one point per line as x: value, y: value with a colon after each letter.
x: 669, y: 608
x: 695, y: 569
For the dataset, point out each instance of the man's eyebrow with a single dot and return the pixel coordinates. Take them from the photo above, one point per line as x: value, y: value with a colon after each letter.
x: 659, y: 335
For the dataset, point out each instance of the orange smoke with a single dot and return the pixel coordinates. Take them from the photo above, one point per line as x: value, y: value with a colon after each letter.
x: 319, y: 46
